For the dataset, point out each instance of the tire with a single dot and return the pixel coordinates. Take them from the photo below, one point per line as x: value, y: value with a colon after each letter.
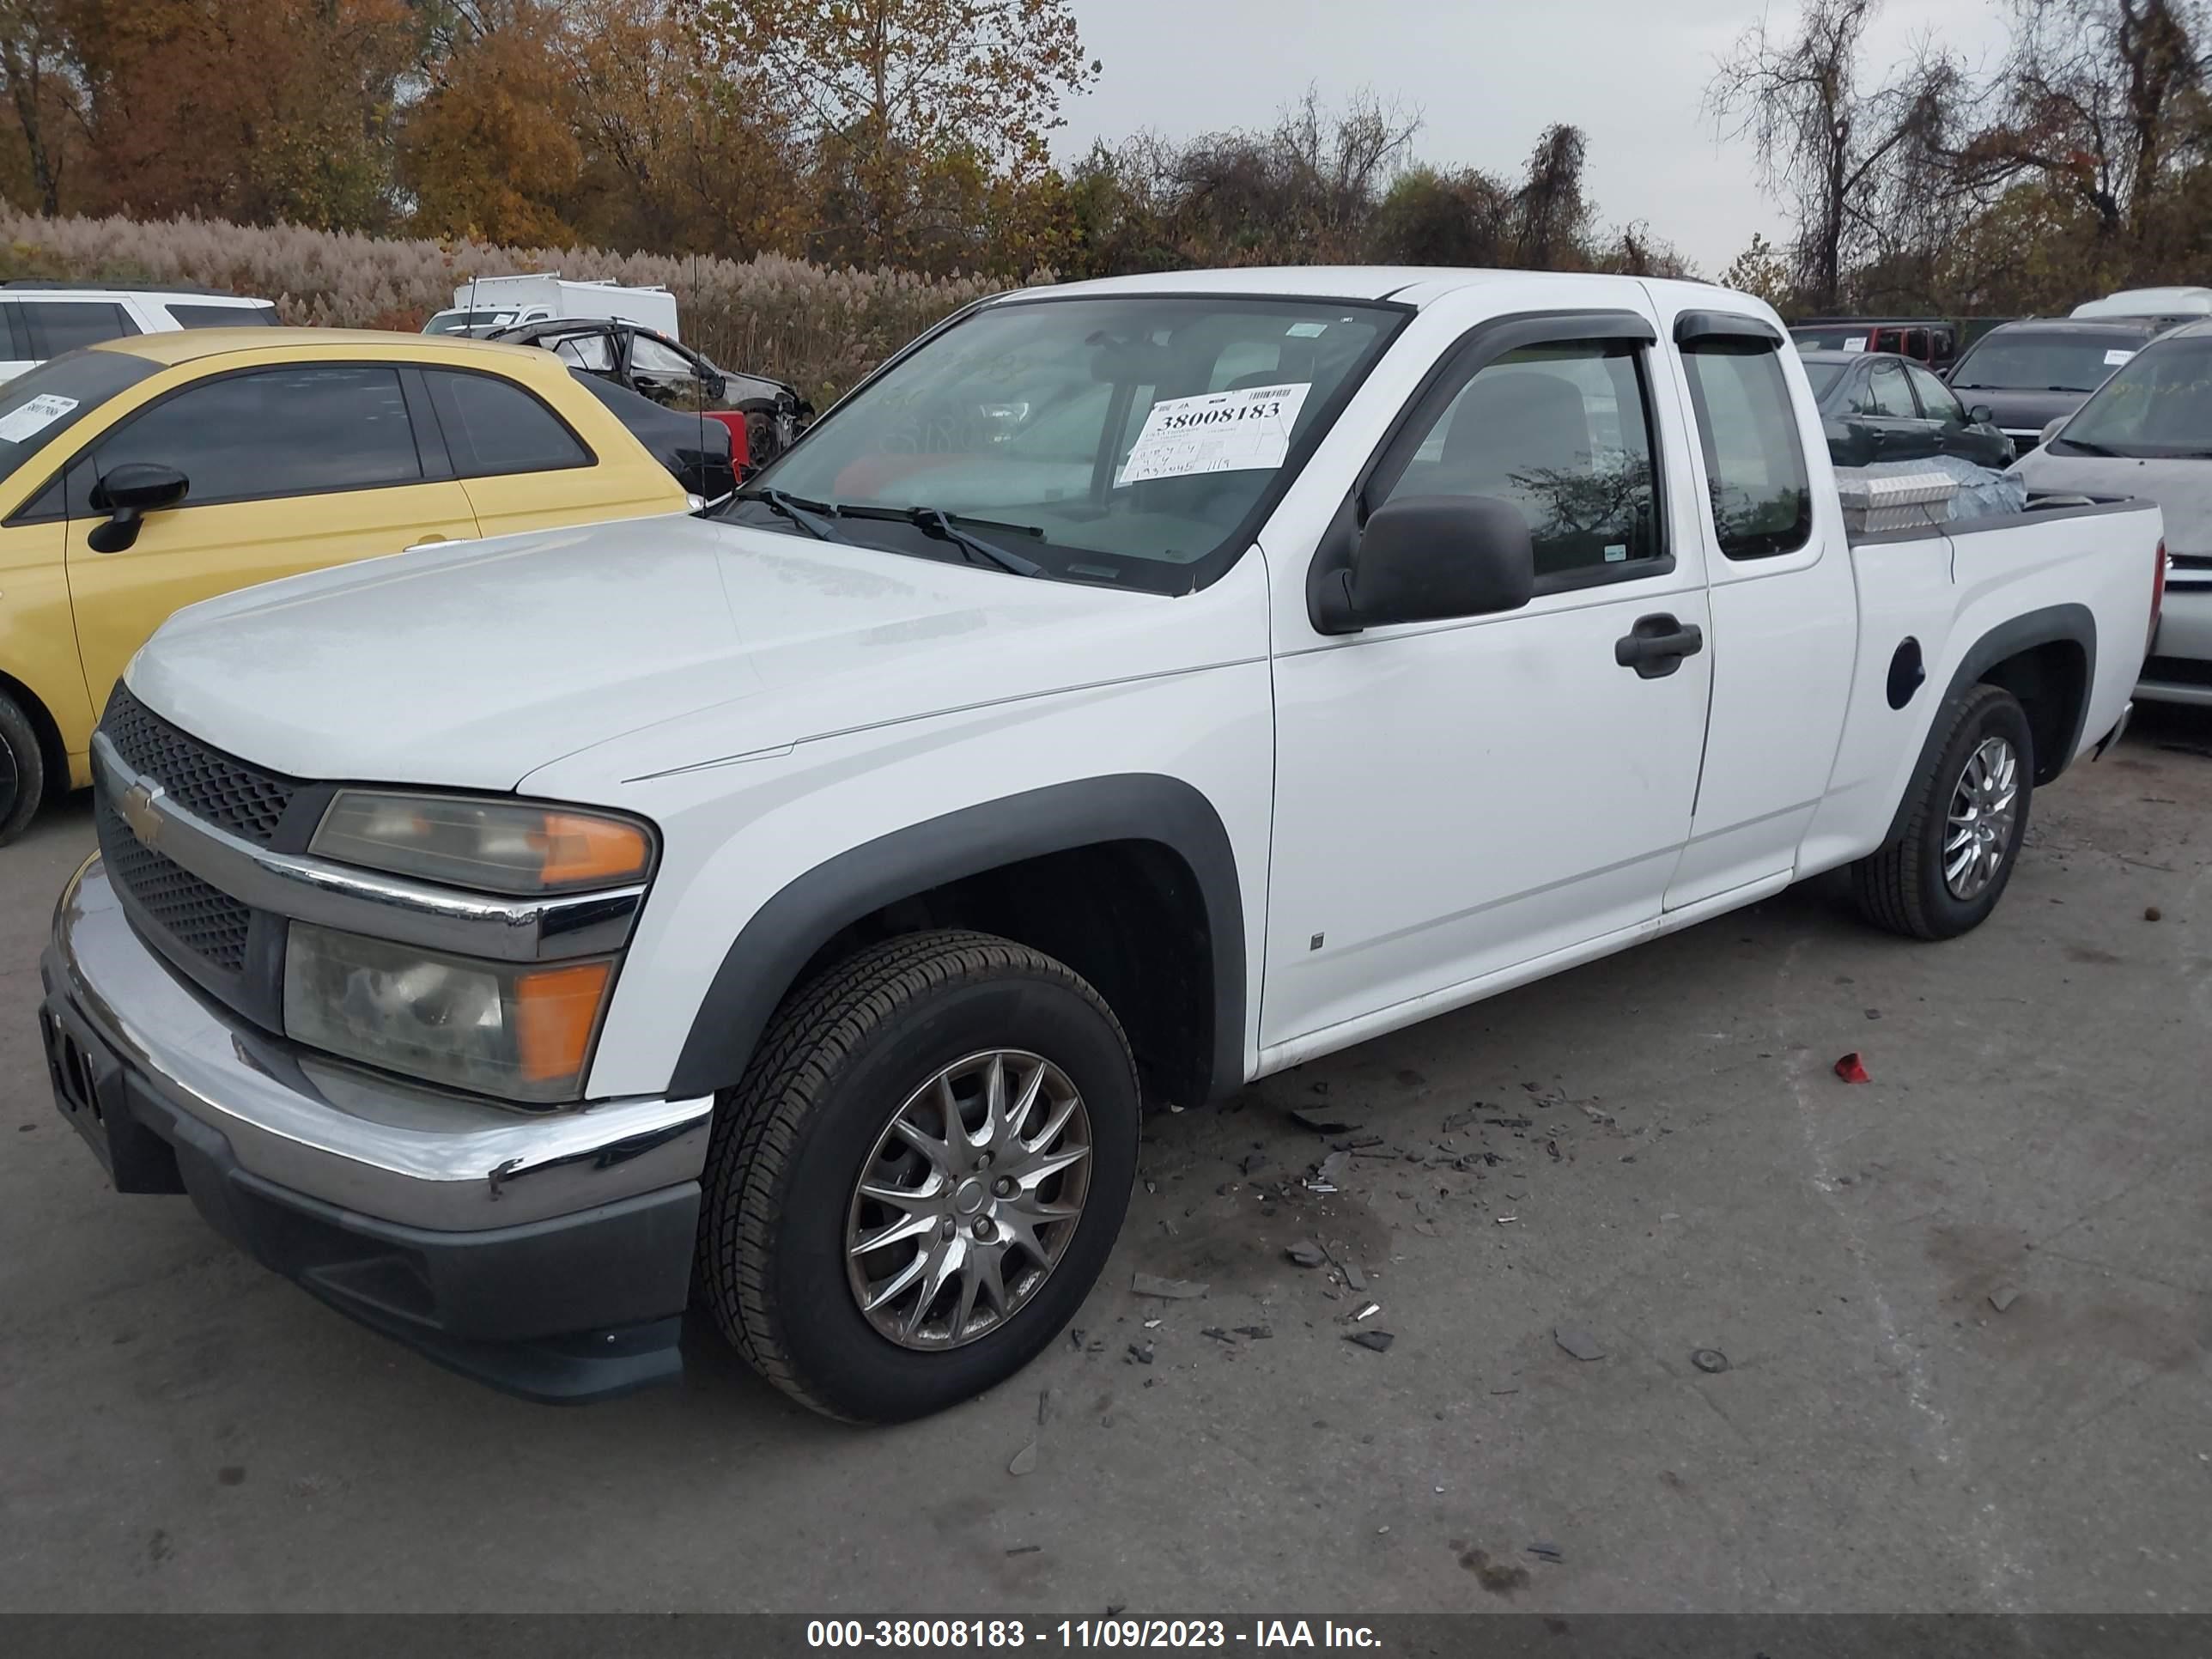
x: 23, y: 770
x: 1903, y: 888
x: 844, y: 1057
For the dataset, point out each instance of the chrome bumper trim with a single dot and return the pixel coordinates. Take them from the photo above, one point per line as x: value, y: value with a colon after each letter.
x: 357, y: 901
x: 367, y: 1143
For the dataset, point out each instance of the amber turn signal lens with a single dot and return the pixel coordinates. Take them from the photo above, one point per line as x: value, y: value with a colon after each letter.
x: 580, y: 849
x: 555, y: 1012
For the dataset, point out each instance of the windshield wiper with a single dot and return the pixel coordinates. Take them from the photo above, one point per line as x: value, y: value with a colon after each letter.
x: 2088, y: 448
x: 937, y: 523
x: 802, y: 514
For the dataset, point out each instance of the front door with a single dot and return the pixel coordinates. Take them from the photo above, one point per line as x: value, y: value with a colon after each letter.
x: 1455, y: 798
x: 288, y: 468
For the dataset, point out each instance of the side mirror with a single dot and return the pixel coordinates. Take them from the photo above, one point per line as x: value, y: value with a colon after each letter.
x: 2051, y: 430
x: 1981, y: 414
x: 1425, y: 558
x: 127, y: 494
x: 714, y: 384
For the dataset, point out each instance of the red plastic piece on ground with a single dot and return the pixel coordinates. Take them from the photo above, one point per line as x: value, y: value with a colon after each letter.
x: 1852, y: 1069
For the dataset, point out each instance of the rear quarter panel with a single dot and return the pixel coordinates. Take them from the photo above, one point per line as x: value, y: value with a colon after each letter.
x: 1948, y: 593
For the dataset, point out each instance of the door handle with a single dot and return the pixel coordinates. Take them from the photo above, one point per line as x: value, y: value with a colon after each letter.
x: 1654, y: 647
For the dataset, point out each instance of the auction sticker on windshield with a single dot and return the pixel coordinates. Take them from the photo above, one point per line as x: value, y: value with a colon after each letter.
x: 1237, y: 431
x: 35, y: 417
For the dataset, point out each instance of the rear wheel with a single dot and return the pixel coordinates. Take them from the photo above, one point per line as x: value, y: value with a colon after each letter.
x: 23, y: 770
x: 1966, y: 818
x: 920, y: 1176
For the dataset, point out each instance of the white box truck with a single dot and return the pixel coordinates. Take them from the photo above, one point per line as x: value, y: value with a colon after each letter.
x: 492, y: 302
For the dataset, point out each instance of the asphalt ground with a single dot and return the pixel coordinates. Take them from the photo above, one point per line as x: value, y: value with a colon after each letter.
x: 1641, y: 1160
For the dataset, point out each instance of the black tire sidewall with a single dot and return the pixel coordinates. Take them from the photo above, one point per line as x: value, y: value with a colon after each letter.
x: 1998, y: 716
x: 18, y: 801
x: 856, y: 1370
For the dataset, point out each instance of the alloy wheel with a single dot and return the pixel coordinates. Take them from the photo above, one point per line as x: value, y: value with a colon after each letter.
x: 969, y: 1199
x: 1984, y: 802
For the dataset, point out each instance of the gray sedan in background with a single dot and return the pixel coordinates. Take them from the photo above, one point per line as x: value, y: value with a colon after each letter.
x: 2148, y: 433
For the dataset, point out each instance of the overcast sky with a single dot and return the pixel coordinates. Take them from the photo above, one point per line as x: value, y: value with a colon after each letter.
x: 1486, y: 76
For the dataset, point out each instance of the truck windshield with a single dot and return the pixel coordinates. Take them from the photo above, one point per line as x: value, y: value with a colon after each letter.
x: 1133, y: 440
x: 2159, y: 405
x: 2041, y: 363
x: 37, y: 408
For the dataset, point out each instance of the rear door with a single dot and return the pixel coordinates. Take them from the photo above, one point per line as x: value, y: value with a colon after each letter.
x: 291, y: 468
x: 1457, y: 798
x: 1983, y: 445
x: 1884, y: 408
x: 1784, y: 607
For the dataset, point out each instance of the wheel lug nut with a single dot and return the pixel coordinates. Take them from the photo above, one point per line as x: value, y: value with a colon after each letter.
x: 984, y: 1229
x: 946, y: 1228
x: 1004, y: 1186
x: 983, y: 1161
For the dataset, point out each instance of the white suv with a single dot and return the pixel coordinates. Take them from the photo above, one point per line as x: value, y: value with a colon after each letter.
x: 41, y: 319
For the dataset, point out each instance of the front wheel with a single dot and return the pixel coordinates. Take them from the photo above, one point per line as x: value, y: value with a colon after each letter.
x: 919, y: 1177
x: 1966, y: 816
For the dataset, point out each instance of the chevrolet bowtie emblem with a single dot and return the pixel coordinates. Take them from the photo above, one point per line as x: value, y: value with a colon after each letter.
x: 137, y: 808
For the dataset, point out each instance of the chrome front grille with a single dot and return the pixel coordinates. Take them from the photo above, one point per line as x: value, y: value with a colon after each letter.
x: 206, y: 782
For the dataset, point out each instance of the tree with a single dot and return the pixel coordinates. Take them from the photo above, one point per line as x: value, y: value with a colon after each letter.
x: 256, y: 110
x: 1822, y: 136
x: 1549, y: 205
x: 489, y: 149
x: 906, y: 105
x: 1762, y: 269
x: 2096, y: 97
x: 44, y: 94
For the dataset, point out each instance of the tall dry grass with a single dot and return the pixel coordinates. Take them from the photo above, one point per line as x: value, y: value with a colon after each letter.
x: 821, y: 329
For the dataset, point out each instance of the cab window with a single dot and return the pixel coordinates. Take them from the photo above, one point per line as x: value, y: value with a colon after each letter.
x: 300, y: 430
x: 1761, y: 494
x: 1562, y: 432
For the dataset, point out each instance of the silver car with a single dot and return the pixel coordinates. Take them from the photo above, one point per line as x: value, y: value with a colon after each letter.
x: 2148, y: 433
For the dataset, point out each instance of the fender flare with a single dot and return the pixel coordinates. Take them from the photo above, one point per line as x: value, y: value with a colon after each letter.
x: 2052, y: 625
x: 773, y: 948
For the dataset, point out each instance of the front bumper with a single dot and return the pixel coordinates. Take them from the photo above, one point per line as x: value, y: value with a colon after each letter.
x: 549, y: 1253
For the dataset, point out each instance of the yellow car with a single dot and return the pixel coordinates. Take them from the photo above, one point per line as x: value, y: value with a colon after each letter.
x: 144, y: 474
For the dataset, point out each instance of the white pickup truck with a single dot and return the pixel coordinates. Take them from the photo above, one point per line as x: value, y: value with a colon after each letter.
x: 1132, y: 690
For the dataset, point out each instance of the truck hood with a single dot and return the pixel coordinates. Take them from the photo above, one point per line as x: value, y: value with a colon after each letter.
x: 2182, y: 489
x: 473, y: 666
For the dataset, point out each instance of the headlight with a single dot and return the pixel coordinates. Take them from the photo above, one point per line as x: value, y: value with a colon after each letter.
x: 491, y: 846
x: 517, y: 1030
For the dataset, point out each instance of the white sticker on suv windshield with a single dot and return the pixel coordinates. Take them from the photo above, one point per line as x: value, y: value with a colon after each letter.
x: 1236, y: 431
x: 1306, y: 330
x: 35, y: 417
x: 2114, y: 359
x: 1856, y: 342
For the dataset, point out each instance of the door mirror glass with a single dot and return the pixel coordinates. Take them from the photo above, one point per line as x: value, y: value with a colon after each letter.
x: 126, y: 494
x: 1981, y: 414
x: 1424, y: 558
